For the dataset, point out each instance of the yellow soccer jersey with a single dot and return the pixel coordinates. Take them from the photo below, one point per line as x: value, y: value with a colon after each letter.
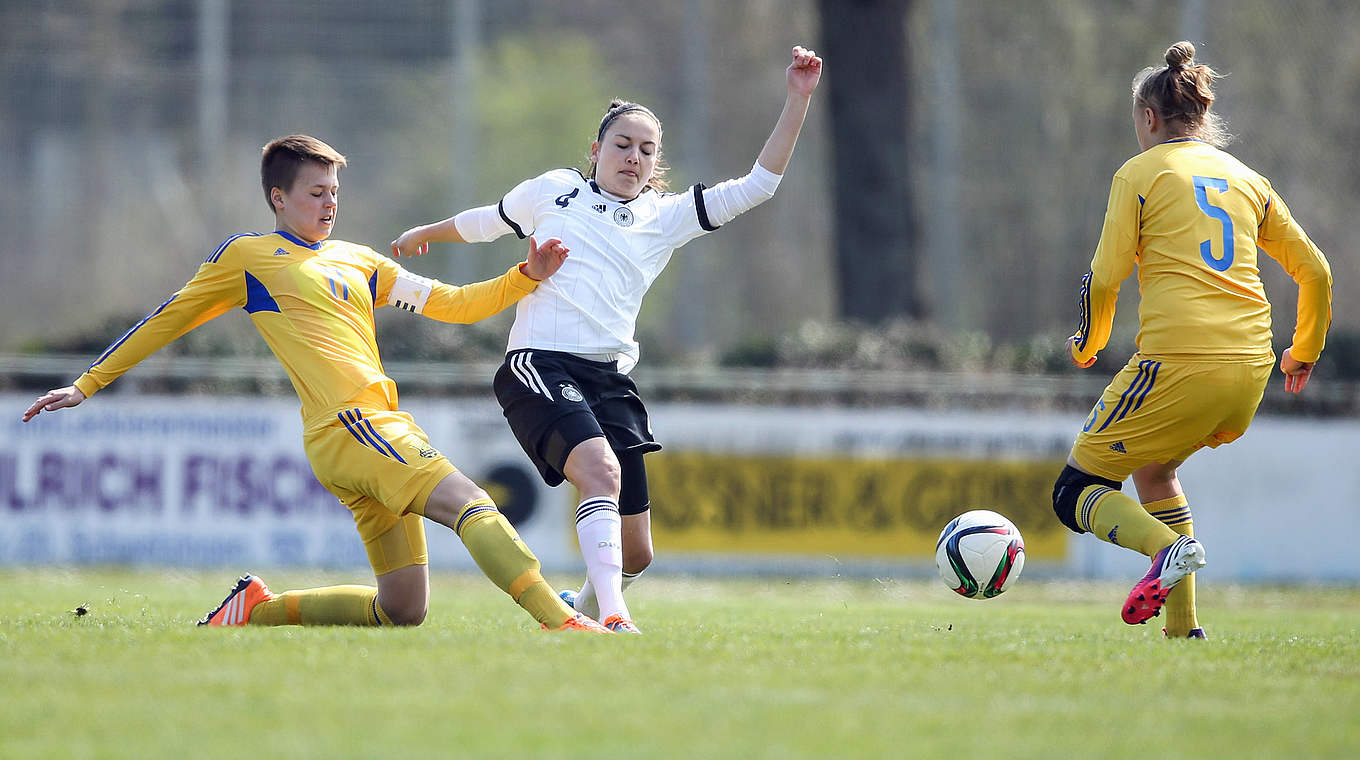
x: 314, y: 306
x: 1192, y: 217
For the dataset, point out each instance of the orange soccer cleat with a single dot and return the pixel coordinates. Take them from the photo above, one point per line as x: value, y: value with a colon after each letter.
x: 620, y: 624
x: 235, y: 609
x: 579, y: 622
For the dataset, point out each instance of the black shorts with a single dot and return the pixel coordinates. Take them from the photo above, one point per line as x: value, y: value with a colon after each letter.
x: 555, y: 400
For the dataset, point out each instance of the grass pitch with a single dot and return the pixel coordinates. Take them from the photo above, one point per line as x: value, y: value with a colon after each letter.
x: 743, y: 668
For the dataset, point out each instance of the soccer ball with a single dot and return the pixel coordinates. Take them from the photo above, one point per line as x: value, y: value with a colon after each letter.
x: 980, y: 554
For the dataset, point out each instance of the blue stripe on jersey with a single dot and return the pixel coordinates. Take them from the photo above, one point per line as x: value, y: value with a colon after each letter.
x: 373, y: 287
x: 217, y: 254
x: 257, y: 296
x: 130, y: 331
x: 500, y: 207
x: 296, y: 241
x: 1084, y: 307
x: 1141, y: 200
x: 702, y: 210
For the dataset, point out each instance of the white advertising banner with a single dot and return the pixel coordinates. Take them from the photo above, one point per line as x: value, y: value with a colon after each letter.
x: 194, y: 481
x: 197, y: 481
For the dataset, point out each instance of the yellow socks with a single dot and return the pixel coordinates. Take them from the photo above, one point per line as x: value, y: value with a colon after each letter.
x: 332, y: 605
x: 1180, y: 605
x: 503, y: 557
x: 1122, y: 521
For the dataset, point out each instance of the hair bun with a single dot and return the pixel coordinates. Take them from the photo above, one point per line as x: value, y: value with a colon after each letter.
x: 1180, y: 55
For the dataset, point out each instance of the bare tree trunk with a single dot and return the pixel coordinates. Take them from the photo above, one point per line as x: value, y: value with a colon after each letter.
x: 865, y: 43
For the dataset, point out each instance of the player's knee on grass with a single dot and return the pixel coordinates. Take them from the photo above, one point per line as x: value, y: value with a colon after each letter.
x: 406, y: 613
x: 404, y: 606
x: 1067, y: 491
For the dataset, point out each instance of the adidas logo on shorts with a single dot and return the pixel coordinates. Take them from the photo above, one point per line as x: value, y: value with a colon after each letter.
x: 1118, y: 447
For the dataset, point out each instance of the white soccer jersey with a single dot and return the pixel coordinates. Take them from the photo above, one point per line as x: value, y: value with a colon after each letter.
x: 618, y: 248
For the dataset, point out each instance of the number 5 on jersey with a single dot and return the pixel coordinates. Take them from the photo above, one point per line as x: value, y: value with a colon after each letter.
x: 1202, y: 187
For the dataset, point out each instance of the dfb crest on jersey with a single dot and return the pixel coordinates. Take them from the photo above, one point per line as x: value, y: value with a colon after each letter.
x: 570, y: 393
x: 623, y: 217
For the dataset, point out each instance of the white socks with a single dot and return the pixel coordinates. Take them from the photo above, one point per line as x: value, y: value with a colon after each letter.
x: 586, y: 601
x: 598, y: 528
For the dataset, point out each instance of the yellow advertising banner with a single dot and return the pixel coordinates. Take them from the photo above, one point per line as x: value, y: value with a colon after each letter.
x: 843, y: 507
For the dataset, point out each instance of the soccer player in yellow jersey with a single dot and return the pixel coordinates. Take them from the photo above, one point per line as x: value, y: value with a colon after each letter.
x: 1191, y: 218
x: 313, y: 299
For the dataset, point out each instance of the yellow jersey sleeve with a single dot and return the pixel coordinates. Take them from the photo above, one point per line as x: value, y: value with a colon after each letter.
x: 1285, y: 241
x: 461, y: 304
x: 216, y: 288
x: 1115, y: 256
x: 1193, y: 220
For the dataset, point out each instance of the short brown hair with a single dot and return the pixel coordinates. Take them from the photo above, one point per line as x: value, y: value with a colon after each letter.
x: 283, y: 158
x: 1181, y: 93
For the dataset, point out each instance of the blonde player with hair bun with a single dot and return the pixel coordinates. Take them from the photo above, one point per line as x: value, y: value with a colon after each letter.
x: 1190, y: 217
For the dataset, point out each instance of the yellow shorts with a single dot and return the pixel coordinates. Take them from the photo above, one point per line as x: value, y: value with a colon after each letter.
x: 381, y: 465
x: 1159, y: 410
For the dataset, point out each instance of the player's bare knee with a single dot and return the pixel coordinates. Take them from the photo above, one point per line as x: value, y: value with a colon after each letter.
x: 602, y: 476
x: 448, y: 499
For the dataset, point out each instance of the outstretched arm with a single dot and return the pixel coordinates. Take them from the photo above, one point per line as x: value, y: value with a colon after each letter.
x: 473, y: 302
x: 803, y: 75
x: 53, y: 400
x: 726, y: 200
x: 416, y: 241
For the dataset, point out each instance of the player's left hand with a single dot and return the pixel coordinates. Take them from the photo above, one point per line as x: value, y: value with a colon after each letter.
x: 1296, y: 373
x: 1072, y: 353
x: 59, y: 398
x: 544, y: 260
x: 805, y: 71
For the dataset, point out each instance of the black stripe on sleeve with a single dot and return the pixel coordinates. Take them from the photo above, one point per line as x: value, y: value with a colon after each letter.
x: 701, y: 210
x: 500, y: 207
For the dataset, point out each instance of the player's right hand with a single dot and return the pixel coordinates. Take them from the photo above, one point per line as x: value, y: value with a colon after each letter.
x: 544, y: 260
x: 1072, y: 353
x: 1296, y: 373
x: 59, y: 398
x: 410, y: 243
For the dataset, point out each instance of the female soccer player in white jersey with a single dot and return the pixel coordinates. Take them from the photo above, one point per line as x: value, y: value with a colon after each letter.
x: 564, y: 385
x: 1191, y: 218
x: 312, y: 300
